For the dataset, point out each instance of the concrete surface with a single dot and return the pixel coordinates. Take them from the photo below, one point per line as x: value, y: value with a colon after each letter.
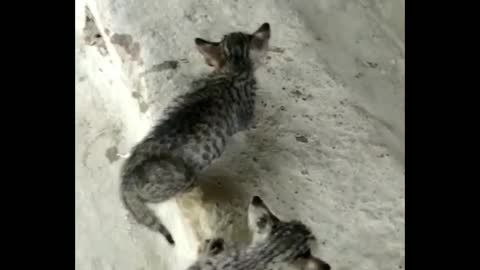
x: 328, y: 148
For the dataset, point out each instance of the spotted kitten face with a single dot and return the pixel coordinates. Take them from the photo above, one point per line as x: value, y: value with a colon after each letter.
x: 236, y: 51
x: 293, y: 237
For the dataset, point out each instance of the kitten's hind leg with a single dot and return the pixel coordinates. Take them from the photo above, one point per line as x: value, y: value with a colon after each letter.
x: 155, y: 181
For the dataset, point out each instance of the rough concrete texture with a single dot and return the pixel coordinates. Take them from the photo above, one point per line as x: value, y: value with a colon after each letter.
x: 328, y: 147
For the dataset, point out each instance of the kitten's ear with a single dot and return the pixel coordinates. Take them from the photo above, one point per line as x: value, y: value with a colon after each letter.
x: 260, y: 218
x: 261, y: 36
x: 211, y: 51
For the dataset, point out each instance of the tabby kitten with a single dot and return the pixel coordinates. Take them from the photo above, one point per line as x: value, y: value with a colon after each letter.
x: 194, y: 130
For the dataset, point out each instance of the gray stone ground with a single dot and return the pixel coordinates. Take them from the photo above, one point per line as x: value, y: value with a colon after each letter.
x: 328, y: 148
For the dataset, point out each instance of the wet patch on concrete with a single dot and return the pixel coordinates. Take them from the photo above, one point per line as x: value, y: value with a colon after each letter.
x: 112, y: 154
x: 92, y: 36
x: 129, y: 47
x: 141, y: 101
x: 165, y: 65
x: 143, y: 106
x: 113, y: 134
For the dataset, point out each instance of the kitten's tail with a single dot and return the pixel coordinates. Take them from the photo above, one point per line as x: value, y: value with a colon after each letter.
x: 145, y: 215
x: 154, y: 181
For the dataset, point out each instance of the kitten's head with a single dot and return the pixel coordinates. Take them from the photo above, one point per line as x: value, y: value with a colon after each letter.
x: 292, y: 241
x: 236, y: 51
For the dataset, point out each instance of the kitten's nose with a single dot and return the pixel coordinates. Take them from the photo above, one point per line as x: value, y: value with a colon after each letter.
x: 256, y: 201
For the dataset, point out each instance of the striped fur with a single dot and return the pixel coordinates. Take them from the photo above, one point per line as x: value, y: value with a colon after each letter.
x: 276, y: 244
x: 195, y: 128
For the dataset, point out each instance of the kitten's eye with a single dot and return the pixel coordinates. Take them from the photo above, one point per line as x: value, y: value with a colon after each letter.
x: 209, y: 63
x: 217, y: 246
x: 262, y: 222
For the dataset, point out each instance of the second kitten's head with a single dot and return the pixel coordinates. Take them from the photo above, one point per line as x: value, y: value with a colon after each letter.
x: 236, y: 51
x: 292, y: 241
